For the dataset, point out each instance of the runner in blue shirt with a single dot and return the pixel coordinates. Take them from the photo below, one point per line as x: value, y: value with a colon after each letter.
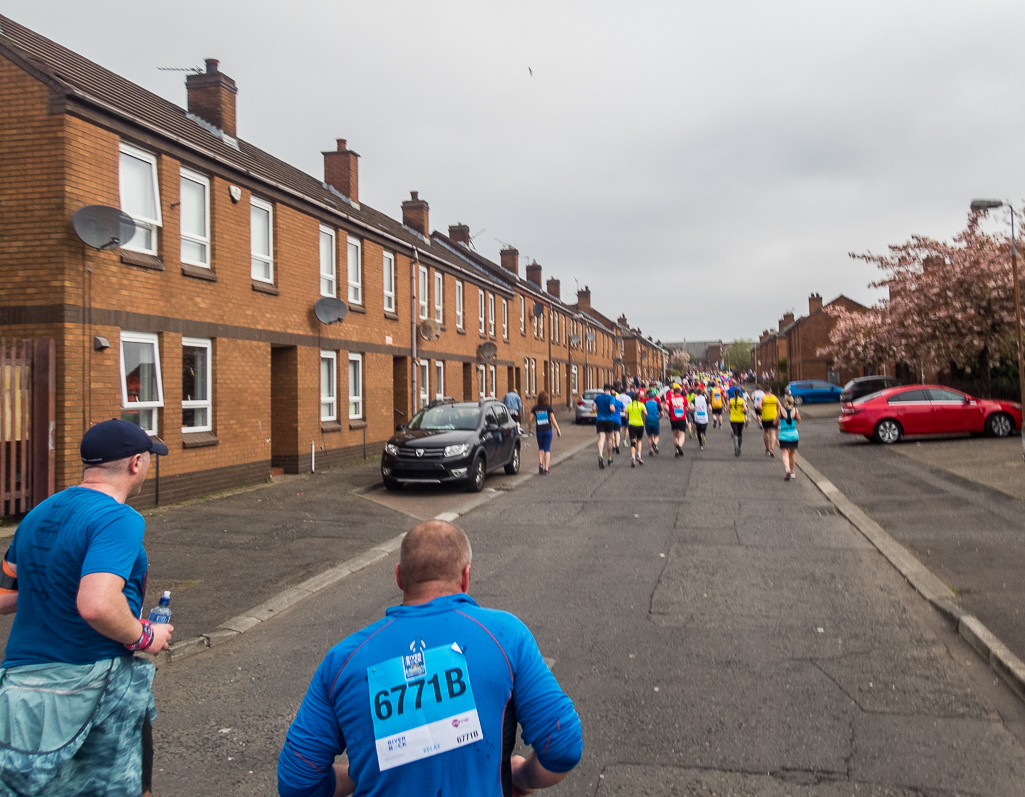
x: 605, y: 422
x: 426, y: 700
x: 652, y: 423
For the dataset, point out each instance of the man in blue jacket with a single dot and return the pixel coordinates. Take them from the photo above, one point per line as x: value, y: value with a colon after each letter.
x: 427, y: 700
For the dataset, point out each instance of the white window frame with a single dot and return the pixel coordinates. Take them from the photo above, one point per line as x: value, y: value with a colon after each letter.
x: 388, y: 273
x: 439, y: 379
x: 541, y: 325
x: 526, y: 376
x: 354, y: 269
x: 491, y: 378
x: 439, y: 297
x: 201, y: 404
x: 480, y: 310
x: 574, y: 385
x: 142, y: 406
x: 423, y: 286
x: 505, y: 319
x: 329, y: 399
x: 151, y: 224
x: 481, y: 386
x: 356, y: 397
x: 523, y: 315
x: 265, y: 259
x: 491, y: 314
x: 423, y: 372
x: 329, y: 270
x: 459, y: 304
x: 533, y: 376
x: 204, y: 181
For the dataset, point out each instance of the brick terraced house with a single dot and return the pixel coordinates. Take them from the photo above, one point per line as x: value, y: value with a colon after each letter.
x: 202, y: 328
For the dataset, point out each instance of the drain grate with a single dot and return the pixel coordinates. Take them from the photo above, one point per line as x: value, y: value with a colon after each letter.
x: 827, y: 511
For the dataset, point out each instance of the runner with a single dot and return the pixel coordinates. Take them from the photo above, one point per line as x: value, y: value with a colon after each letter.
x: 788, y: 437
x: 676, y: 406
x: 769, y: 412
x: 701, y: 416
x: 738, y: 418
x: 635, y: 413
x: 759, y: 394
x: 624, y: 400
x: 543, y: 416
x: 691, y: 395
x: 607, y: 411
x: 652, y: 423
x: 716, y: 400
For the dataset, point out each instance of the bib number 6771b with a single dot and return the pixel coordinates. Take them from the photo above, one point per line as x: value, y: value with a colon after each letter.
x: 454, y: 687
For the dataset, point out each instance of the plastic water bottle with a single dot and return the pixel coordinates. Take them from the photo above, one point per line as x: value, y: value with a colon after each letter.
x: 161, y: 613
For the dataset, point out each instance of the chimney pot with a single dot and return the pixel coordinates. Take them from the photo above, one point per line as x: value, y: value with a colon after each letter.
x: 211, y: 65
x: 341, y: 170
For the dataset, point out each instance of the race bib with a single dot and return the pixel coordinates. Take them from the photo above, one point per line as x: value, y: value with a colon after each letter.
x: 542, y: 418
x: 422, y: 704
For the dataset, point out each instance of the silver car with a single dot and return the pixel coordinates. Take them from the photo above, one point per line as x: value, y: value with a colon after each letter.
x: 586, y: 411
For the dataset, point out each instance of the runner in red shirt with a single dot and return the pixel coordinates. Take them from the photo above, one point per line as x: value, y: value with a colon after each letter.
x: 676, y: 405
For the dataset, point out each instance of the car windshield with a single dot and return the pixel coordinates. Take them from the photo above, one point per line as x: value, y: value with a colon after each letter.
x: 445, y: 418
x: 590, y: 395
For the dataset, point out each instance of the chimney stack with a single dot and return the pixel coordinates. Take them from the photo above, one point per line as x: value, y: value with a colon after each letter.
x: 584, y: 298
x: 622, y: 321
x: 341, y: 171
x: 459, y: 233
x: 554, y: 287
x: 414, y: 214
x: 510, y: 260
x: 212, y: 97
x: 534, y: 273
x: 786, y: 320
x: 814, y: 303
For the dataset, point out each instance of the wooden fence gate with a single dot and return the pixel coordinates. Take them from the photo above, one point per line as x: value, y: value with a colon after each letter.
x: 27, y: 423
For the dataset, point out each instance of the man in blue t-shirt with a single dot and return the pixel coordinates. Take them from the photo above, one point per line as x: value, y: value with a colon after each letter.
x: 426, y: 700
x: 605, y: 422
x: 75, y: 578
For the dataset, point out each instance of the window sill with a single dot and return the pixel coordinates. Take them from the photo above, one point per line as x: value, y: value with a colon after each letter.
x: 442, y: 327
x: 357, y: 423
x: 391, y: 316
x: 330, y: 426
x: 141, y: 260
x: 199, y: 272
x: 265, y: 287
x: 357, y: 308
x: 460, y: 331
x: 199, y: 439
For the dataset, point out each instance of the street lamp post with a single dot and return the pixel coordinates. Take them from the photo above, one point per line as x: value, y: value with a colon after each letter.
x: 989, y: 204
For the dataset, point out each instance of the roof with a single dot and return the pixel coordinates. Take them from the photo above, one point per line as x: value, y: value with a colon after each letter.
x: 83, y: 81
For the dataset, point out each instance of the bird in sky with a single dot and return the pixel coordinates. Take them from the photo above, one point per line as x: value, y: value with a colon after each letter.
x: 531, y: 71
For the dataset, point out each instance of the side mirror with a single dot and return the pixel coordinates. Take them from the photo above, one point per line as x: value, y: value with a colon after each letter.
x: 399, y: 427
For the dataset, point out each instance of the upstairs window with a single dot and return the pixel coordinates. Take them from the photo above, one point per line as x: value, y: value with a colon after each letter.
x: 261, y: 236
x: 439, y: 297
x: 195, y: 218
x: 423, y: 298
x: 355, y: 269
x: 140, y: 197
x: 389, y: 282
x: 459, y: 305
x: 480, y: 310
x: 523, y: 314
x: 505, y: 319
x: 328, y: 285
x: 491, y: 314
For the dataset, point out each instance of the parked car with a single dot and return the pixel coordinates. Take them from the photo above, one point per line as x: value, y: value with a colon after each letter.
x: 812, y: 390
x: 864, y: 385
x: 452, y: 443
x: 586, y: 411
x: 889, y: 415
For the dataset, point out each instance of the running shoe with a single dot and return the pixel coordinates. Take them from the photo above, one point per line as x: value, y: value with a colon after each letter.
x: 656, y: 449
x: 793, y: 474
x: 610, y: 462
x: 702, y: 448
x: 601, y: 463
x: 633, y: 462
x: 541, y: 470
x: 786, y: 478
x: 616, y: 450
x: 772, y: 454
x: 640, y: 461
x: 547, y: 472
x: 736, y: 449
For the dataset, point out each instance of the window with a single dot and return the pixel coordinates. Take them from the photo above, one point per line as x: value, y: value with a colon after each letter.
x: 491, y: 314
x: 573, y: 386
x: 505, y: 319
x: 944, y: 396
x: 196, y: 404
x: 491, y: 380
x: 562, y: 329
x: 523, y: 315
x: 558, y: 380
x: 140, y: 197
x: 389, y: 282
x: 422, y: 297
x: 354, y: 261
x: 423, y: 375
x: 355, y: 386
x: 328, y: 385
x: 909, y: 397
x: 195, y: 218
x: 439, y: 380
x: 533, y: 377
x: 541, y: 325
x: 526, y: 376
x: 459, y: 305
x: 480, y: 381
x: 439, y: 297
x: 261, y: 239
x: 480, y: 309
x: 327, y: 261
x: 141, y: 391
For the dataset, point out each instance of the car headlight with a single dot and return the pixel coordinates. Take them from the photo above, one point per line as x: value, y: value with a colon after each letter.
x: 457, y: 450
x: 392, y: 449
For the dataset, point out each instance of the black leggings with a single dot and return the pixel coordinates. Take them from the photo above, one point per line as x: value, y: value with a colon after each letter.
x: 702, y: 427
x: 738, y: 430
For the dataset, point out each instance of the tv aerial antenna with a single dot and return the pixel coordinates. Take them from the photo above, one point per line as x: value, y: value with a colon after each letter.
x: 193, y: 69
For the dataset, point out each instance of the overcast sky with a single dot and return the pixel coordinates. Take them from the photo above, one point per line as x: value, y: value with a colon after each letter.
x: 702, y: 166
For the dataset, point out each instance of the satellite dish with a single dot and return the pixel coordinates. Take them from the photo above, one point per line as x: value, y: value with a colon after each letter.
x: 574, y: 339
x: 538, y: 310
x: 488, y: 350
x: 429, y: 329
x: 103, y: 227
x: 590, y: 336
x: 330, y: 310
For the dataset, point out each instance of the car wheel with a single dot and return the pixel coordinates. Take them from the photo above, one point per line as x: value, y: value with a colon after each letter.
x: 888, y: 431
x: 999, y: 425
x: 478, y: 471
x: 799, y: 400
x: 392, y: 484
x: 512, y: 467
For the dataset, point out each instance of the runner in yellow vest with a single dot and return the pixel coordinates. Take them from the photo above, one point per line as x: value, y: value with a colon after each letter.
x: 770, y: 412
x: 635, y: 415
x: 716, y: 403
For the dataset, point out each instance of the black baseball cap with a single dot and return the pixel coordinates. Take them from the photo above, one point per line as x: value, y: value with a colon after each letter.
x: 116, y: 439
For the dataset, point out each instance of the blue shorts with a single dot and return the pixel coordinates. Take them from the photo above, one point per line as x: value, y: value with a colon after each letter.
x: 651, y: 430
x: 544, y: 441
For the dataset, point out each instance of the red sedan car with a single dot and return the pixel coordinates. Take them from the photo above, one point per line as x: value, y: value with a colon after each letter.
x: 888, y: 415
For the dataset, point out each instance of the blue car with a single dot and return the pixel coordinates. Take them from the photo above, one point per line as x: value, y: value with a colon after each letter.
x: 812, y: 390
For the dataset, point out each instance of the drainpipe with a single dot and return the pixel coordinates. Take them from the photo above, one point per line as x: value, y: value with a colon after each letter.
x: 414, y: 270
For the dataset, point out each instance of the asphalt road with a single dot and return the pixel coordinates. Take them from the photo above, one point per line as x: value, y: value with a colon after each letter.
x: 720, y: 631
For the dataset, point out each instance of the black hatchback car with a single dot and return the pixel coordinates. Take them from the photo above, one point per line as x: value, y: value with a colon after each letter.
x: 451, y: 442
x: 864, y: 386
